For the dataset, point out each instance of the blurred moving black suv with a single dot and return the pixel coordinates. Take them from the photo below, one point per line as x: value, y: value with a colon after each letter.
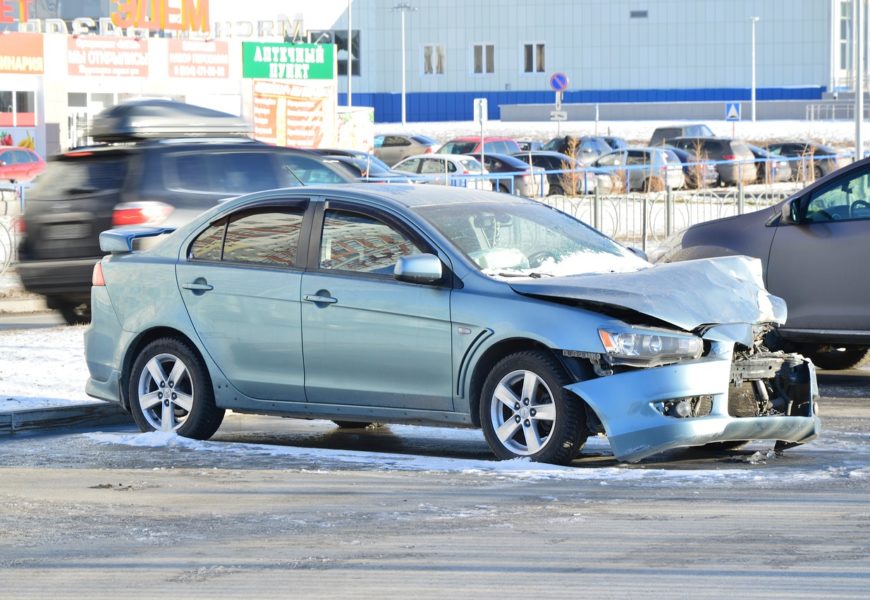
x: 143, y: 178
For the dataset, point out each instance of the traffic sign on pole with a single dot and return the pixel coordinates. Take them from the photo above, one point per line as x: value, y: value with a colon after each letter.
x: 559, y: 82
x: 732, y: 111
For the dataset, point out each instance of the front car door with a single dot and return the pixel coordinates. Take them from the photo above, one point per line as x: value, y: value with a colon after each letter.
x: 370, y: 340
x: 241, y: 286
x: 820, y: 265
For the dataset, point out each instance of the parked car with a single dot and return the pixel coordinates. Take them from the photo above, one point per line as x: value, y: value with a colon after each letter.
x: 806, y: 244
x: 585, y: 148
x: 394, y: 147
x: 770, y: 167
x: 19, y: 164
x: 446, y: 169
x: 662, y: 134
x: 530, y: 145
x: 563, y: 172
x: 372, y: 171
x: 142, y: 181
x: 617, y: 143
x: 734, y: 161
x: 524, y: 179
x: 809, y: 158
x: 441, y: 306
x: 644, y: 169
x: 471, y: 145
x: 697, y: 173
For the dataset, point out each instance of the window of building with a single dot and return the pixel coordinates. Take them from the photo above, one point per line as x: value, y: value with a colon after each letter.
x: 17, y: 109
x: 484, y: 59
x: 533, y: 58
x: 433, y: 59
x: 846, y: 35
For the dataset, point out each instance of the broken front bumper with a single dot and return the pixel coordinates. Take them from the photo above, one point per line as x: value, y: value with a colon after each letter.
x: 636, y: 407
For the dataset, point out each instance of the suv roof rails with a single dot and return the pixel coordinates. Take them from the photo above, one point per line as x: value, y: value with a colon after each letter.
x: 158, y: 118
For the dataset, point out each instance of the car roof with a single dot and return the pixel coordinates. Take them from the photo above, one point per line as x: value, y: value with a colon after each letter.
x: 486, y: 138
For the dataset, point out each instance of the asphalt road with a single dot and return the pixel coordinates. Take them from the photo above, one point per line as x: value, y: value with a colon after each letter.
x: 237, y: 518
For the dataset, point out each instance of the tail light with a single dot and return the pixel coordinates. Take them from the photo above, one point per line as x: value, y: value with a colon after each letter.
x: 140, y: 213
x: 429, y: 150
x: 729, y: 157
x: 20, y: 227
x: 97, y: 279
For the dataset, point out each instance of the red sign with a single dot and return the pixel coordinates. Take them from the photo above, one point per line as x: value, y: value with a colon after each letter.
x: 89, y: 55
x: 190, y: 58
x: 21, y: 53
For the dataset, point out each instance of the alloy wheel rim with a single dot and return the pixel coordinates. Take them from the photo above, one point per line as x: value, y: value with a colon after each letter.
x: 165, y: 392
x: 522, y: 412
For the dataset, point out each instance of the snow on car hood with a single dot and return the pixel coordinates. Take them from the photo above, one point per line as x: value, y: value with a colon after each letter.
x: 686, y: 294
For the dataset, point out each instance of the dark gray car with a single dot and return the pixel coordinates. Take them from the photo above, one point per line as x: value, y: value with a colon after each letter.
x: 813, y: 248
x: 734, y: 161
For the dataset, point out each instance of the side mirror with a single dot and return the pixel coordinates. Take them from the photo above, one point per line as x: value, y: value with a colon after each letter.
x: 790, y: 212
x: 419, y: 268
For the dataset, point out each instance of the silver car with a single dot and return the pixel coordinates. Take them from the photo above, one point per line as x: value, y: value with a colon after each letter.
x: 441, y: 306
x: 644, y: 169
x: 446, y: 169
x: 394, y: 147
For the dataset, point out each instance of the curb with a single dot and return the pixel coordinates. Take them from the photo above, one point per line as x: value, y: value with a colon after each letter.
x: 102, y: 413
x: 22, y: 305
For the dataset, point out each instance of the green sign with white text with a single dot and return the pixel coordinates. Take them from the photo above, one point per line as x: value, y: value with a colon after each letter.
x: 287, y: 61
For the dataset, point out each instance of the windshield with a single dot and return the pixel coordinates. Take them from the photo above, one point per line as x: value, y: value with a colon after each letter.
x: 528, y: 239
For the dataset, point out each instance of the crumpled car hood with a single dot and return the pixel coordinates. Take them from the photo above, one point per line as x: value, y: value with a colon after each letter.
x: 688, y: 294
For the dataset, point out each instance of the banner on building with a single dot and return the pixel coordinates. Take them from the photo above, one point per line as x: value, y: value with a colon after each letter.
x: 299, y: 114
x: 21, y: 53
x: 95, y: 55
x: 193, y: 58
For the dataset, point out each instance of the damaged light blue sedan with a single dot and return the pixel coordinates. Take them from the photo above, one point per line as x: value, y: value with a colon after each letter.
x: 439, y: 306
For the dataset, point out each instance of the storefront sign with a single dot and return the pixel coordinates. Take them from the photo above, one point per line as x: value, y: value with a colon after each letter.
x: 288, y: 61
x: 21, y: 53
x: 189, y: 58
x: 162, y: 15
x: 107, y: 56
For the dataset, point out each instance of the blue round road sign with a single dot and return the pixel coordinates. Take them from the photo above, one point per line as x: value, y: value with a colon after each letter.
x: 559, y: 82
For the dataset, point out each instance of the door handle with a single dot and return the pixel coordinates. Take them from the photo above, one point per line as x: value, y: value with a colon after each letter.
x: 198, y: 286
x: 321, y: 297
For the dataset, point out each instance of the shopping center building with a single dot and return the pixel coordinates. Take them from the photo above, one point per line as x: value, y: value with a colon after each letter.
x: 74, y: 58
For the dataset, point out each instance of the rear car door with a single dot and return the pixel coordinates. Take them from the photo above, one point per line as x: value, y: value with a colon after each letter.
x: 241, y: 286
x: 369, y: 339
x: 819, y: 265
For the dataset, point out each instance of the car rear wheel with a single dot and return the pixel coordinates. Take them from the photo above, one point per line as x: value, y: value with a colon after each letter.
x: 170, y: 391
x: 72, y: 313
x: 556, y: 190
x: 525, y: 410
x: 837, y: 358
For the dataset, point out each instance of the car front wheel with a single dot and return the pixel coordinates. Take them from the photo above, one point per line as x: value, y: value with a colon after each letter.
x: 171, y: 391
x: 525, y: 410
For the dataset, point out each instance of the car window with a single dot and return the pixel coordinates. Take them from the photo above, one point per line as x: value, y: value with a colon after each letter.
x: 434, y: 165
x: 378, y: 141
x: 267, y: 237
x: 845, y: 198
x: 239, y: 173
x: 361, y: 243
x: 609, y: 160
x: 470, y: 164
x: 308, y: 170
x: 412, y: 165
x: 396, y: 140
x: 82, y: 175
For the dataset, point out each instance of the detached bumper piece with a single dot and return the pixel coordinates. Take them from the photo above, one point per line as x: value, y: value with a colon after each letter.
x: 763, y: 396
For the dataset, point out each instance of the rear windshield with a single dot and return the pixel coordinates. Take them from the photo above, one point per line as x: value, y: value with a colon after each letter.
x: 82, y: 175
x: 458, y: 147
x: 220, y: 172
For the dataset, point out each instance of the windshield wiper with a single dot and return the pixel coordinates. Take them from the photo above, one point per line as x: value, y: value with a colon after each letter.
x: 533, y: 275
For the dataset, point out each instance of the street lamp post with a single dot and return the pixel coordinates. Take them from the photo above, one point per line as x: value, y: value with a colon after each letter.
x: 858, y: 27
x: 754, y: 20
x: 349, y: 55
x: 403, y: 8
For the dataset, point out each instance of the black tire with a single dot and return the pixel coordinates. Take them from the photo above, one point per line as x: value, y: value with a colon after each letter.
x: 818, y: 173
x: 725, y: 446
x: 504, y: 189
x: 555, y: 440
x: 556, y: 190
x: 829, y: 358
x: 351, y: 424
x: 182, y: 400
x: 74, y: 314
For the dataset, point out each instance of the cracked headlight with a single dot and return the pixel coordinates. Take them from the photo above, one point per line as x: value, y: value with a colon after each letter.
x: 645, y: 348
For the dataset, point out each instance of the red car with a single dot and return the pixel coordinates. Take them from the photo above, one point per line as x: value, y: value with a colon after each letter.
x: 471, y: 144
x: 19, y: 164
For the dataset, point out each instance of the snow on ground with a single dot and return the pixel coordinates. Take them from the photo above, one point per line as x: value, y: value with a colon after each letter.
x: 837, y: 133
x: 41, y: 368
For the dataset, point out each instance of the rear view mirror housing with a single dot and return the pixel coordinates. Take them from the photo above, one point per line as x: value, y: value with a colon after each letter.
x: 419, y: 268
x: 790, y: 210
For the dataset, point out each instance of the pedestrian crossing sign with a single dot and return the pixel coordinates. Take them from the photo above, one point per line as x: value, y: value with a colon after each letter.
x: 732, y: 111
